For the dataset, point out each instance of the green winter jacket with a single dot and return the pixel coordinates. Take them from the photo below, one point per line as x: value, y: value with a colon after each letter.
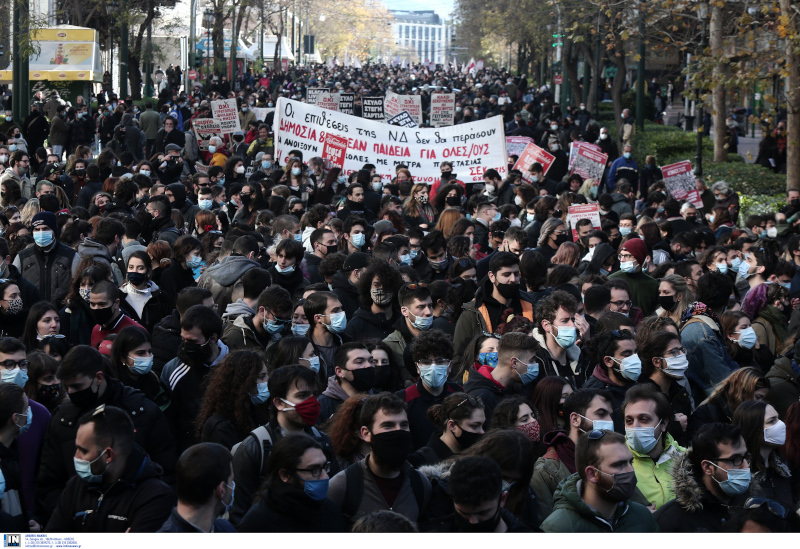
x: 572, y: 515
x: 654, y: 479
x: 548, y: 472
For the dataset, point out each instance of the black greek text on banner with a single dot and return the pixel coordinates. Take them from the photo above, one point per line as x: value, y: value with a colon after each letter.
x: 472, y: 148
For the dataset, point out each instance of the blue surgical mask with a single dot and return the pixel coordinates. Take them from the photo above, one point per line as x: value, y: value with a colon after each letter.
x: 747, y: 338
x: 744, y: 270
x: 496, y: 217
x: 272, y: 326
x: 735, y: 263
x: 298, y: 237
x: 233, y: 493
x: 630, y: 367
x: 262, y: 394
x: 141, y: 364
x: 316, y: 489
x: 600, y: 424
x: 266, y: 164
x: 287, y: 270
x: 313, y: 361
x: 194, y: 262
x: 530, y: 374
x: 338, y: 322
x: 565, y: 336
x: 300, y: 330
x: 642, y: 439
x: 43, y: 238
x: 421, y: 323
x: 488, y: 359
x: 145, y: 172
x: 296, y: 171
x: 405, y: 259
x: 627, y: 156
x: 628, y: 266
x: 28, y: 422
x: 377, y: 186
x: 625, y: 231
x: 737, y: 483
x: 205, y: 204
x: 593, y: 192
x: 787, y: 285
x: 212, y: 149
x: 17, y: 376
x: 434, y: 376
x: 358, y: 240
x: 722, y: 267
x: 604, y: 272
x: 84, y: 470
x: 413, y: 253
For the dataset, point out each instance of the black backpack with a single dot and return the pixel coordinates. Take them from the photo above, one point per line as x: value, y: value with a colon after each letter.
x: 354, y: 490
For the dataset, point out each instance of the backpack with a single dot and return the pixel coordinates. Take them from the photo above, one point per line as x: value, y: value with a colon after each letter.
x: 354, y: 490
x: 191, y: 151
x: 264, y: 441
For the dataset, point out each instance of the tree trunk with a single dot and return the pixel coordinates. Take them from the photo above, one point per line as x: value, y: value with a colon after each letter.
x: 594, y: 81
x: 792, y: 99
x: 720, y: 111
x: 619, y: 82
x: 136, y: 55
x: 570, y: 61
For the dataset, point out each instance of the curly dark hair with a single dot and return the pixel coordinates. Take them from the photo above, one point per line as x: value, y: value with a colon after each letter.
x: 390, y: 278
x: 548, y: 307
x: 431, y: 344
x: 228, y: 392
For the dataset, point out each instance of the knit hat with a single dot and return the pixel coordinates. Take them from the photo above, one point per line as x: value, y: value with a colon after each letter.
x: 45, y: 218
x: 637, y: 248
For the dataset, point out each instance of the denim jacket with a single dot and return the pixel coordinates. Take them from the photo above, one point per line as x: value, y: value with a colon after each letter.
x: 709, y: 361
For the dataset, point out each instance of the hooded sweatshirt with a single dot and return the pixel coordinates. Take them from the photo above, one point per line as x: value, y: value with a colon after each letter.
x: 223, y: 280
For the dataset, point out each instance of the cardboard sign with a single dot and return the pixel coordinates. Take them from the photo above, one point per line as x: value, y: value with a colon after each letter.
x: 313, y: 93
x: 346, y: 101
x: 679, y: 179
x: 226, y: 113
x: 472, y: 148
x: 573, y: 151
x: 372, y: 108
x: 583, y: 211
x: 589, y: 164
x: 515, y: 144
x: 395, y: 104
x: 204, y: 129
x: 328, y: 101
x: 530, y: 155
x: 443, y: 109
x: 262, y: 112
x: 334, y: 149
x: 403, y: 119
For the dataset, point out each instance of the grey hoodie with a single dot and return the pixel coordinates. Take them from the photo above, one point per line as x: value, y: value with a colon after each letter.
x: 224, y: 280
x: 237, y: 309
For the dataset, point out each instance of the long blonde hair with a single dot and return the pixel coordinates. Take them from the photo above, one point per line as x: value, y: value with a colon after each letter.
x: 411, y: 206
x: 739, y: 387
x: 447, y: 219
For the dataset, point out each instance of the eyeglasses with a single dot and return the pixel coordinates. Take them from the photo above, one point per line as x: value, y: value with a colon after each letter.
x: 737, y: 461
x: 316, y: 471
x: 772, y: 506
x: 626, y: 257
x: 620, y: 304
x: 678, y: 351
x: 11, y: 364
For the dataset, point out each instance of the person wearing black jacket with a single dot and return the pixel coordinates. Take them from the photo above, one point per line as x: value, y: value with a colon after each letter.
x: 118, y: 487
x: 28, y: 292
x: 286, y: 272
x: 167, y: 333
x: 93, y: 185
x: 292, y: 501
x: 82, y: 372
x: 376, y: 317
x: 177, y: 191
x: 162, y: 227
x: 345, y: 280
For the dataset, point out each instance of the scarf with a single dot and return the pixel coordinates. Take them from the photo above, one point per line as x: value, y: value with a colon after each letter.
x: 699, y: 309
x: 776, y: 320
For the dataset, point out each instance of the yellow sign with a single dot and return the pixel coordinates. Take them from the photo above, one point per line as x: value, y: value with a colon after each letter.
x: 66, y: 34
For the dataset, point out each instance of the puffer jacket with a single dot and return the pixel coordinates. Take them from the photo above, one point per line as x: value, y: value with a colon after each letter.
x: 694, y: 508
x: 50, y: 271
x: 224, y: 280
x: 152, y: 433
x: 138, y: 502
x: 654, y: 478
x: 572, y: 515
x: 774, y: 482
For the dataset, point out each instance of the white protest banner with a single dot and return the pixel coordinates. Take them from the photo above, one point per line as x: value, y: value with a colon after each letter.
x: 515, y: 144
x: 395, y: 104
x: 346, y: 101
x: 262, y: 112
x: 589, y: 164
x: 472, y: 148
x: 530, y: 155
x: 313, y: 93
x: 372, y: 108
x: 679, y: 179
x: 226, y: 113
x: 335, y: 149
x: 583, y: 211
x: 205, y: 129
x: 328, y: 101
x: 479, y: 66
x: 443, y: 109
x: 403, y: 119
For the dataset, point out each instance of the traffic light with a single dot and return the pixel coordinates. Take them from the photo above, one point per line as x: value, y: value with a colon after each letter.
x: 557, y: 37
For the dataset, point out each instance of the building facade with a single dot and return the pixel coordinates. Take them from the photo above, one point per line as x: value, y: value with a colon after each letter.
x: 422, y: 35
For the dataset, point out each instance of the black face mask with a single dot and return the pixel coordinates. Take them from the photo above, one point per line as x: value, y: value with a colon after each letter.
x: 691, y: 218
x: 102, y: 316
x: 795, y: 203
x: 245, y: 200
x: 392, y: 447
x: 196, y: 351
x: 453, y: 201
x: 86, y: 398
x: 560, y: 239
x: 137, y: 278
x: 50, y: 395
x: 667, y: 302
x: 467, y: 438
x: 363, y: 379
x: 509, y: 290
x: 332, y: 249
x: 482, y: 527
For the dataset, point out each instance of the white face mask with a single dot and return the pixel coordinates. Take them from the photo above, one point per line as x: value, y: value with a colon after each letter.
x: 776, y: 434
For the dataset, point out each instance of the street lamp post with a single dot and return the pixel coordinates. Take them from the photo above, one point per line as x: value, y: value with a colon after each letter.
x: 234, y: 49
x: 640, y: 73
x: 123, y: 53
x: 192, y: 31
x: 208, y: 20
